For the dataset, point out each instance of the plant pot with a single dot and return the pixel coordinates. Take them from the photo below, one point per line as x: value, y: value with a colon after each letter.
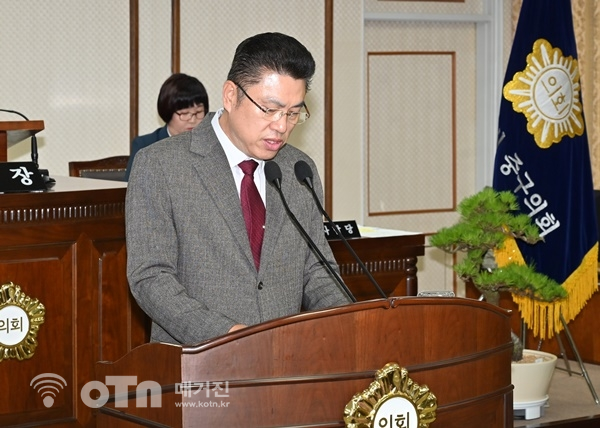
x: 531, y: 381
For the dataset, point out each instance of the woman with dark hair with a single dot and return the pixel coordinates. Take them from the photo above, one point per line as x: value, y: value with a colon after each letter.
x: 182, y: 104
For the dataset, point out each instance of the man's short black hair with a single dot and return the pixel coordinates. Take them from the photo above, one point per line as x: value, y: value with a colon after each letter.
x: 271, y: 52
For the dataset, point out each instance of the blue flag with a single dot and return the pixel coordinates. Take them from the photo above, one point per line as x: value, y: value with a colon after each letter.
x: 543, y: 157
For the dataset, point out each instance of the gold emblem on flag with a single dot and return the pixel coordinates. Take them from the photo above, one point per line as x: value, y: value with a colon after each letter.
x: 20, y: 320
x: 547, y: 93
x: 392, y: 400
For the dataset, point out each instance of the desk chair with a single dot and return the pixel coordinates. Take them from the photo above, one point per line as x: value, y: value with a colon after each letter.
x: 111, y: 168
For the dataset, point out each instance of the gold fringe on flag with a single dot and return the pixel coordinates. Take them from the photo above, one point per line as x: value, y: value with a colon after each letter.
x: 543, y: 317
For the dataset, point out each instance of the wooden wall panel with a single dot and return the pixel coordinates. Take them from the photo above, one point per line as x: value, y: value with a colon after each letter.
x: 67, y: 249
x: 43, y: 272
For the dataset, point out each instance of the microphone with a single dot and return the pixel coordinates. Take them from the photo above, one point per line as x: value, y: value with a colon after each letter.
x: 15, y: 112
x: 34, y: 152
x: 304, y: 175
x: 273, y: 176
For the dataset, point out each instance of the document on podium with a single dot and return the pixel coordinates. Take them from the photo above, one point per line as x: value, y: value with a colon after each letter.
x: 378, y: 232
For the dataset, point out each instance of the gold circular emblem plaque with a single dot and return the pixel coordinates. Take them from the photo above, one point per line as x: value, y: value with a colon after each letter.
x: 20, y: 320
x: 392, y: 400
x: 547, y: 92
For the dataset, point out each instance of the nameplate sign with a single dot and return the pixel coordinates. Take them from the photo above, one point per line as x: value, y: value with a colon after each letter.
x: 20, y: 177
x: 348, y: 229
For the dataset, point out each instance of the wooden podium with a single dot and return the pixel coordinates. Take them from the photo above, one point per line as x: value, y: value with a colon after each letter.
x: 302, y: 370
x: 14, y: 131
x: 66, y: 247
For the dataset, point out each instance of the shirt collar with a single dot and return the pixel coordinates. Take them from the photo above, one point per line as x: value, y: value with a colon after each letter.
x: 234, y: 155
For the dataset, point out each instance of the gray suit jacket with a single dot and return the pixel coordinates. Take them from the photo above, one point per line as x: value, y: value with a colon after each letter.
x: 189, y: 261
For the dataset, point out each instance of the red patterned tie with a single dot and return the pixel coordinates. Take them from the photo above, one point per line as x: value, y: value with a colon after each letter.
x: 253, y: 208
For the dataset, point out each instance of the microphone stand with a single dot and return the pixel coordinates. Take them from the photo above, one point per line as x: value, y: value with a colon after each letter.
x: 276, y: 181
x: 308, y: 182
x: 34, y: 149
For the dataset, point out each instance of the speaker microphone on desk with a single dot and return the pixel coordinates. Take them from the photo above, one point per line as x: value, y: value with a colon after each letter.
x: 48, y: 181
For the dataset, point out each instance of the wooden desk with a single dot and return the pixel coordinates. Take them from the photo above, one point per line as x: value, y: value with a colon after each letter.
x: 392, y: 261
x: 66, y: 247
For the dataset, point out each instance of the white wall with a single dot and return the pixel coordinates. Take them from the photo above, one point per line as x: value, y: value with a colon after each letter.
x: 67, y: 63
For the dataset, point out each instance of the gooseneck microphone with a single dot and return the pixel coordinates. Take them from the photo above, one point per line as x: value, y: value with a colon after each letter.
x: 304, y: 175
x: 15, y: 112
x: 273, y: 176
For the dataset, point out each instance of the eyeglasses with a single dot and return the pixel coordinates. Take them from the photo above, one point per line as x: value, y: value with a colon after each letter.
x: 186, y: 115
x: 273, y: 114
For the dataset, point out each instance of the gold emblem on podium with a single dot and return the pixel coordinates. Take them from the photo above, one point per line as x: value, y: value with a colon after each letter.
x: 20, y: 320
x: 392, y: 400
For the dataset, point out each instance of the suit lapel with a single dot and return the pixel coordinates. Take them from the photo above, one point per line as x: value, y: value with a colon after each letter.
x: 216, y: 177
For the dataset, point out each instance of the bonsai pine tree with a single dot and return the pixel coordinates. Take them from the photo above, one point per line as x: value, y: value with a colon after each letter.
x: 487, y: 219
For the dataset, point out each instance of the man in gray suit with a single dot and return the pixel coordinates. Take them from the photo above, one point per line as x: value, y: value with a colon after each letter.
x: 190, y: 264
